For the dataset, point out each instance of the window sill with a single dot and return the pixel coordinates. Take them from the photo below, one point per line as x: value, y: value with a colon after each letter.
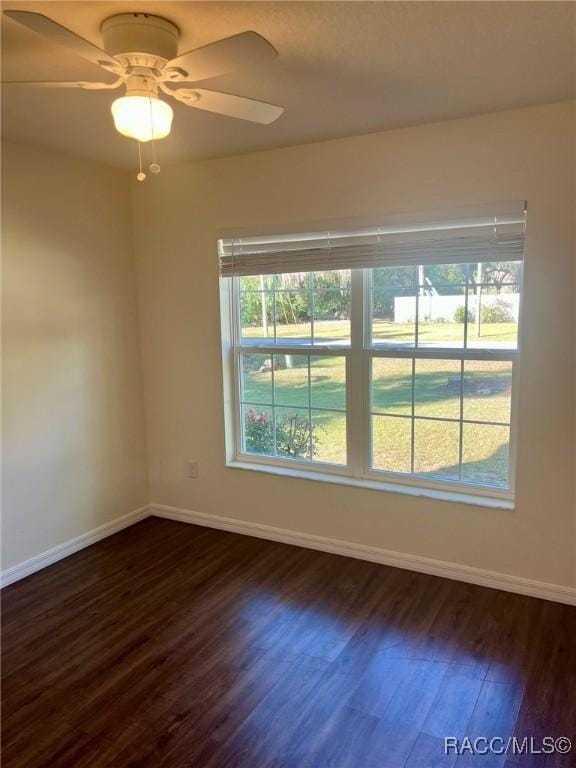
x: 476, y: 500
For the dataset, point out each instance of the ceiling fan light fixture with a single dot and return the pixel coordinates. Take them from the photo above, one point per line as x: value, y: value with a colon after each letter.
x: 142, y: 117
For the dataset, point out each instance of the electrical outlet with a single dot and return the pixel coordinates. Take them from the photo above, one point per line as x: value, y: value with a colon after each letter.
x: 192, y: 469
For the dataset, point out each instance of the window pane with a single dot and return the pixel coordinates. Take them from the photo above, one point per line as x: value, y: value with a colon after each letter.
x: 329, y: 436
x: 437, y: 389
x: 295, y: 281
x: 256, y: 313
x: 291, y: 380
x: 487, y: 391
x: 436, y: 448
x: 331, y: 317
x: 503, y: 275
x: 332, y: 279
x: 328, y: 382
x: 393, y: 319
x: 403, y: 278
x: 391, y: 440
x: 331, y: 304
x: 292, y: 433
x: 493, y: 318
x: 445, y: 279
x: 258, y: 430
x: 393, y: 309
x: 440, y: 316
x: 256, y: 378
x: 485, y: 450
x: 293, y: 308
x: 392, y: 385
x: 293, y: 314
x: 256, y: 283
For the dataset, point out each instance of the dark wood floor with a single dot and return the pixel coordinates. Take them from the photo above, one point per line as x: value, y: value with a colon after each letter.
x: 173, y: 645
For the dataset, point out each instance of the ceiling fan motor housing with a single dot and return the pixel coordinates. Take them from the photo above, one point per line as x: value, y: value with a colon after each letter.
x: 140, y: 39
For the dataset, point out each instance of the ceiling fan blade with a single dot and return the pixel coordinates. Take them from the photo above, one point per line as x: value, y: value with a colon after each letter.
x: 88, y: 86
x: 242, y: 50
x: 227, y: 104
x: 62, y: 36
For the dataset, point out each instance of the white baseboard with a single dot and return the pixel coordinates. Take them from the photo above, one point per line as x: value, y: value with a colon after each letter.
x: 21, y: 570
x: 506, y: 582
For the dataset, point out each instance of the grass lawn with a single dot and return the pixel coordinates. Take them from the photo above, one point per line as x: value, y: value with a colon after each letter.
x: 437, y: 395
x: 438, y: 334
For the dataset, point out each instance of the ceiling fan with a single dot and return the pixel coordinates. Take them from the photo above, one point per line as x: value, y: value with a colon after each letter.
x: 141, y: 50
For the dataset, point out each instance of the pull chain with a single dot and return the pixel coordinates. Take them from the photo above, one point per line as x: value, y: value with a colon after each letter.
x: 154, y: 166
x: 141, y: 175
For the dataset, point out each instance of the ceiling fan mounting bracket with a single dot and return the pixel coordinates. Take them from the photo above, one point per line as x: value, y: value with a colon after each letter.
x: 140, y: 39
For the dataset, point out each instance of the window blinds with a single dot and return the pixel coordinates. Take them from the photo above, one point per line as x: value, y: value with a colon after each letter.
x: 494, y: 237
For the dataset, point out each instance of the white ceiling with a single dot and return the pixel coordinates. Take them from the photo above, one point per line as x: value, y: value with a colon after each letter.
x: 344, y: 68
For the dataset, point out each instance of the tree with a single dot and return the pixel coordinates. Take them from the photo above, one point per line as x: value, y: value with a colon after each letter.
x: 501, y: 273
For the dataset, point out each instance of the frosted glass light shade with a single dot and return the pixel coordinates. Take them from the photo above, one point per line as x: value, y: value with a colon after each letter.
x: 142, y: 117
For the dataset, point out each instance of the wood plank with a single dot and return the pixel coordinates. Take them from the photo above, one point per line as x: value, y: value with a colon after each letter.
x: 175, y: 645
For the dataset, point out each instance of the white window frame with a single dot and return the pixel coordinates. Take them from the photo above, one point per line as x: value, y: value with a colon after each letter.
x: 358, y: 356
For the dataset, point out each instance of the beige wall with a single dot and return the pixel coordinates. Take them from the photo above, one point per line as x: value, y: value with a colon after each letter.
x: 74, y: 453
x: 74, y: 449
x: 507, y: 156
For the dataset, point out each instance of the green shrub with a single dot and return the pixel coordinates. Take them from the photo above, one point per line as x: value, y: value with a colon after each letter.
x: 499, y: 312
x: 294, y: 434
x: 460, y: 314
x: 258, y: 432
x: 251, y: 309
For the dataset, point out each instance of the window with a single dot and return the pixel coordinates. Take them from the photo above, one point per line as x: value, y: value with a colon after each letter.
x: 395, y: 363
x: 294, y: 405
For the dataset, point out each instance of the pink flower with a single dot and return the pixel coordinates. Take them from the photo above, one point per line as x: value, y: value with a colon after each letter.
x: 257, y: 418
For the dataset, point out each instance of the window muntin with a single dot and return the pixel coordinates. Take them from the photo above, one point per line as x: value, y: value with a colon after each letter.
x: 311, y: 308
x: 451, y: 306
x: 456, y: 413
x: 294, y: 406
x: 436, y: 388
